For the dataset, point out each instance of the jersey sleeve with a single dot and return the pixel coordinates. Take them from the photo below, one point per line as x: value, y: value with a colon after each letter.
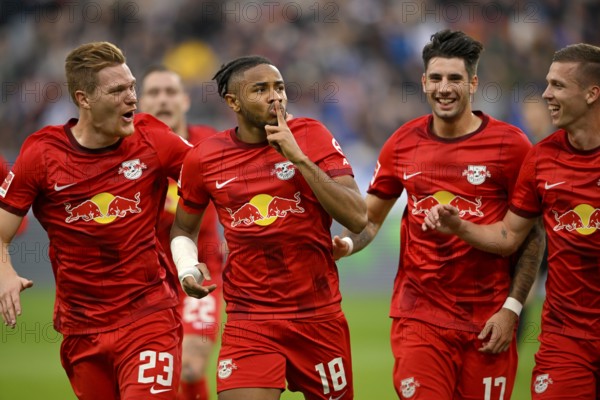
x: 22, y: 184
x: 525, y: 201
x: 385, y: 182
x: 170, y: 147
x: 517, y: 151
x: 324, y: 150
x: 193, y: 196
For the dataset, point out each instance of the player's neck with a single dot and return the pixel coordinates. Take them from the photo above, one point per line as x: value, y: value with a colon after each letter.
x: 250, y: 134
x: 452, y: 128
x: 584, y: 134
x: 91, y: 136
x: 182, y: 130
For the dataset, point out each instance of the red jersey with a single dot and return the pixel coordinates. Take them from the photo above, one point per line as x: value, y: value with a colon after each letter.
x: 209, y: 243
x: 561, y: 184
x: 280, y: 263
x: 4, y: 171
x: 441, y: 279
x: 100, y: 207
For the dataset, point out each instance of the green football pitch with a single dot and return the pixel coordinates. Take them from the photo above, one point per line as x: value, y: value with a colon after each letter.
x: 30, y: 366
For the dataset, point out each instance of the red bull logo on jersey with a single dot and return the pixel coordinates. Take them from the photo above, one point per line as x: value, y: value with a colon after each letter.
x: 226, y: 368
x: 284, y: 170
x: 476, y: 174
x: 584, y: 219
x: 264, y: 209
x: 464, y: 205
x: 103, y: 208
x: 541, y: 383
x: 132, y: 169
x: 409, y: 387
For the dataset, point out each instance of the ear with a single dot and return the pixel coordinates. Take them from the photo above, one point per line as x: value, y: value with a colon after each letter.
x: 474, y: 84
x: 592, y: 95
x: 423, y: 81
x: 82, y: 100
x: 232, y: 102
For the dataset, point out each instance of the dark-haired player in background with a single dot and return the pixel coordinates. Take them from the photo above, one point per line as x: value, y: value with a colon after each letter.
x: 164, y: 96
x: 97, y: 185
x: 451, y: 335
x: 559, y: 181
x: 276, y: 186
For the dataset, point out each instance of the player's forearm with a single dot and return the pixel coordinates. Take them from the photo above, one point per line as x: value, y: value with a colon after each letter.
x: 342, y: 203
x: 495, y: 238
x: 531, y: 254
x: 362, y: 239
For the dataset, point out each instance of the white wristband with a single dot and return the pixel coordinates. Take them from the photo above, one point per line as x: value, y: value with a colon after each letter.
x: 350, y: 244
x: 513, y: 305
x: 185, y: 257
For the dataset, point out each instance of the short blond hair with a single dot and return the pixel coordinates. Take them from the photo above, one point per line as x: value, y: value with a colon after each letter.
x: 83, y: 64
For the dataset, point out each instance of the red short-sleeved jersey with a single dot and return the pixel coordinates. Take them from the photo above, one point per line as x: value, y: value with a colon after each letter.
x: 562, y: 184
x: 209, y: 242
x: 280, y: 261
x: 441, y: 279
x: 100, y: 209
x: 4, y: 171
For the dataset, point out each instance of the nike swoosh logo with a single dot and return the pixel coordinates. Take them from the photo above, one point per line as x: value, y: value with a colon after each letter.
x: 546, y: 186
x: 220, y: 185
x: 339, y: 397
x: 407, y: 177
x: 156, y: 391
x: 59, y: 188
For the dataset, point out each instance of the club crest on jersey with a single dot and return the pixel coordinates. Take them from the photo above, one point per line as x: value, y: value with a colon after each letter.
x: 409, y: 387
x: 541, y: 383
x: 6, y: 184
x: 226, y: 368
x: 132, y: 169
x: 284, y: 170
x: 476, y: 174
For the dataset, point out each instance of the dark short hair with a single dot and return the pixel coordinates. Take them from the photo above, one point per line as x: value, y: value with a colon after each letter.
x: 235, y: 67
x: 453, y: 44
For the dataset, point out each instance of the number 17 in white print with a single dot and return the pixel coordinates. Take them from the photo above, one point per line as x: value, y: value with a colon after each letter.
x: 337, y: 375
x: 499, y: 381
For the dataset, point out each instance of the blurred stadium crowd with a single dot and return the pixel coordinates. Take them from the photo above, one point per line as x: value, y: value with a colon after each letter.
x: 353, y: 64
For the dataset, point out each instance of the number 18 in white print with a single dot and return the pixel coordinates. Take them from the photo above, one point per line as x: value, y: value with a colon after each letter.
x: 337, y: 375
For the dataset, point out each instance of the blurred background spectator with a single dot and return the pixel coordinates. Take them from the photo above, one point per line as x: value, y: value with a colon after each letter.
x: 353, y: 64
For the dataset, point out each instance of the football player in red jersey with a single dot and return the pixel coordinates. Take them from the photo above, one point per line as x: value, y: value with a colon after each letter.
x: 559, y: 181
x: 276, y: 185
x: 97, y: 185
x: 164, y: 96
x: 451, y: 335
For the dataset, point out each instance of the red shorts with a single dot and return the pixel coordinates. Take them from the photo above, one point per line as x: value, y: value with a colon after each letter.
x: 138, y: 361
x: 313, y: 355
x: 432, y: 362
x: 566, y: 368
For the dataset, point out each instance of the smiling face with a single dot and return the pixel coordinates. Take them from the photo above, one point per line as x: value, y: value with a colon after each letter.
x: 448, y: 88
x: 112, y: 103
x: 254, y: 94
x: 164, y: 97
x: 565, y: 95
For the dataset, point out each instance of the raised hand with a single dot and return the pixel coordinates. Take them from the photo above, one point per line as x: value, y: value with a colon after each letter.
x: 443, y: 218
x: 281, y: 138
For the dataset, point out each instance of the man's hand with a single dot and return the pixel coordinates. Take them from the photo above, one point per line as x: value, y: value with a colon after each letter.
x: 281, y: 138
x: 11, y: 285
x: 443, y: 218
x: 195, y: 289
x: 499, y: 329
x: 340, y: 248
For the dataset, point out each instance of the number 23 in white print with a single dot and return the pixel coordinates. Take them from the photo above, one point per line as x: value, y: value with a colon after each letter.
x: 163, y: 378
x: 337, y: 375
